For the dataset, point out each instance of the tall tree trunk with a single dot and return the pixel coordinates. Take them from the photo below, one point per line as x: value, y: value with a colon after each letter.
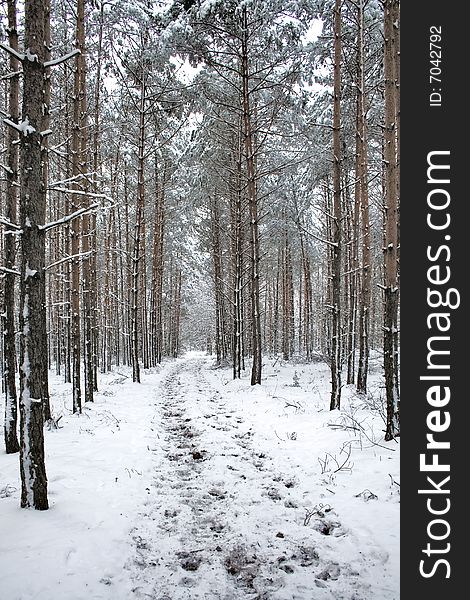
x: 353, y: 270
x: 137, y: 266
x: 237, y: 259
x: 335, y: 356
x: 276, y: 315
x: 9, y: 348
x: 67, y: 237
x: 362, y: 176
x: 158, y: 263
x: 253, y: 207
x: 45, y: 165
x: 77, y: 134
x: 307, y: 299
x: 128, y: 270
x: 96, y: 157
x: 287, y: 301
x: 396, y: 65
x: 86, y: 230
x: 175, y: 338
x: 391, y: 19
x: 220, y: 335
x: 32, y: 283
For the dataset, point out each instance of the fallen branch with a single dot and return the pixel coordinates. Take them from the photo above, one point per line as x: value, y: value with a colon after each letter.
x: 318, y: 509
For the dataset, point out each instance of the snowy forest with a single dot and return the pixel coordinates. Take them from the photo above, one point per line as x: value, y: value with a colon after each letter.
x: 199, y: 231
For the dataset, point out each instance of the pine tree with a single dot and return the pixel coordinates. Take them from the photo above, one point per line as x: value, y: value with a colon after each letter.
x: 32, y: 291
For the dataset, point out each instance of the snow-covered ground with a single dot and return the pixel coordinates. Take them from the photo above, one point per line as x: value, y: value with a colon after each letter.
x: 193, y: 486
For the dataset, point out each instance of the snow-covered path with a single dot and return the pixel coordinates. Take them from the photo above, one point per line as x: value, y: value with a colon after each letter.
x: 192, y: 486
x: 226, y: 520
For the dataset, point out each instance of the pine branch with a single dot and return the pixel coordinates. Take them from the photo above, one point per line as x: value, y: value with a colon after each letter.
x: 74, y: 215
x: 67, y: 258
x: 13, y: 52
x: 10, y: 271
x: 62, y: 59
x: 8, y: 223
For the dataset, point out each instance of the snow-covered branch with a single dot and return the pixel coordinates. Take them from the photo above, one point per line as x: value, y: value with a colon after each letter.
x: 61, y: 59
x: 74, y: 215
x: 7, y: 169
x: 310, y: 233
x: 10, y: 271
x: 11, y: 75
x: 22, y: 127
x: 54, y: 184
x: 12, y: 51
x: 8, y: 223
x: 67, y: 258
x: 80, y: 193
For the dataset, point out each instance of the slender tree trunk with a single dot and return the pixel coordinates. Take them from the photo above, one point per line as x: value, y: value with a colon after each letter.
x: 77, y: 134
x: 143, y: 300
x: 45, y: 165
x: 138, y: 254
x: 9, y: 348
x: 86, y: 230
x: 396, y: 65
x: 253, y: 209
x: 335, y: 356
x: 362, y: 176
x: 32, y: 284
x: 353, y: 268
x: 67, y: 237
x: 220, y: 333
x: 287, y: 301
x: 391, y: 19
x: 176, y: 314
x: 308, y: 317
x: 237, y: 259
x: 129, y: 271
x: 276, y: 306
x: 158, y: 264
x: 96, y: 157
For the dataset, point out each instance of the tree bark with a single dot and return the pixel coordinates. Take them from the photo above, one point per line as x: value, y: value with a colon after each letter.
x: 158, y: 264
x: 237, y: 257
x: 362, y: 177
x: 45, y: 165
x: 32, y: 283
x: 391, y: 19
x: 253, y: 207
x: 9, y: 347
x: 137, y: 265
x: 76, y: 230
x: 335, y: 356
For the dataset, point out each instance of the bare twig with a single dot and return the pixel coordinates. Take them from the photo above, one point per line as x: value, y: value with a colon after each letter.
x: 318, y: 509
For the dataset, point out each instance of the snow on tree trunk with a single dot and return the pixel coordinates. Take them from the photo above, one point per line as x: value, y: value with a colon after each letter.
x: 253, y: 208
x: 335, y: 356
x: 9, y: 350
x: 45, y: 167
x: 391, y: 9
x: 361, y: 174
x: 32, y: 281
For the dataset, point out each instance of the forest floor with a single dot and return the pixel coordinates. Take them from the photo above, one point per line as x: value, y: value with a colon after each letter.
x: 194, y: 486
